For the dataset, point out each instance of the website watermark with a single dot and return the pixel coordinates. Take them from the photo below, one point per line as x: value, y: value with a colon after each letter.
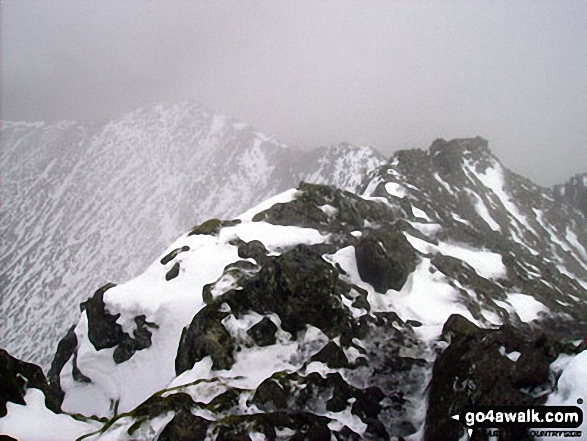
x: 492, y: 418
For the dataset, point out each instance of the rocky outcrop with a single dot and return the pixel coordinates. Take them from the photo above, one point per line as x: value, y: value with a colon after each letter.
x: 16, y: 377
x: 449, y: 282
x: 574, y: 192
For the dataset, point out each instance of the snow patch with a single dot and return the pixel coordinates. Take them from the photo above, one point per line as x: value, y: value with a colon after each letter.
x: 35, y: 422
x: 395, y: 189
x: 281, y: 198
x: 420, y: 213
x: 527, y: 307
x: 482, y: 211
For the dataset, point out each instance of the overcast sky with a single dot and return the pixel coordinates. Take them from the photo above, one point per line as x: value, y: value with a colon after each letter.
x: 390, y: 74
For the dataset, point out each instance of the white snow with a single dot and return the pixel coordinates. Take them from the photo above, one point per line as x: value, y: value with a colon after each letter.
x: 428, y: 229
x: 395, y: 189
x: 420, y: 213
x: 218, y: 122
x: 35, y: 422
x: 274, y: 237
x: 281, y: 198
x: 527, y: 307
x: 346, y: 418
x: 169, y: 304
x: 460, y: 219
x: 329, y: 210
x: 514, y: 355
x: 482, y: 211
x: 443, y: 183
x: 485, y: 263
x: 493, y: 179
x: 426, y: 297
x: 571, y: 384
x: 574, y: 241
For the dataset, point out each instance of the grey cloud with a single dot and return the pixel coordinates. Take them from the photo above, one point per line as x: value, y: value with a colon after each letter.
x: 391, y: 74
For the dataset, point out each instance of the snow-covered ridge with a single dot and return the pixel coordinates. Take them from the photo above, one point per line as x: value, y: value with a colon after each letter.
x: 300, y: 319
x: 84, y: 204
x: 322, y: 314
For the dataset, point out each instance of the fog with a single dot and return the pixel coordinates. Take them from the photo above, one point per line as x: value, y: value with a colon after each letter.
x: 389, y: 74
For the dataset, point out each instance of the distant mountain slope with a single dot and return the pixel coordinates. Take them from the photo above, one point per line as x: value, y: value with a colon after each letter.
x: 574, y: 191
x: 82, y: 204
x: 321, y: 314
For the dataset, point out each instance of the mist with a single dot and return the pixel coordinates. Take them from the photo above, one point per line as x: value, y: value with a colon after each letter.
x: 388, y: 74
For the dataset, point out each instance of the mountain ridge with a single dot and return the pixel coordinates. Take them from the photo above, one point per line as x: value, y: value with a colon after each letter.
x: 447, y: 281
x: 90, y: 202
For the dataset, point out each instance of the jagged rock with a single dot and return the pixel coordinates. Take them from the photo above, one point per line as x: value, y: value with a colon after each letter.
x: 185, y: 426
x: 103, y: 331
x: 574, y: 191
x: 65, y: 350
x: 301, y: 288
x: 469, y: 236
x: 16, y: 377
x: 263, y: 333
x: 129, y: 345
x: 385, y: 259
x: 206, y: 335
x: 349, y: 212
x: 331, y: 355
x: 253, y: 249
x: 270, y: 396
x: 475, y: 371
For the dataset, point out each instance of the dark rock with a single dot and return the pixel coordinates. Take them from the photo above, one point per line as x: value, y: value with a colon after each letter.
x: 304, y: 211
x: 169, y: 257
x: 16, y: 377
x: 254, y: 250
x: 533, y: 365
x: 173, y: 272
x: 206, y: 335
x: 76, y: 373
x: 65, y: 350
x: 574, y: 192
x: 346, y: 434
x: 103, y: 331
x: 367, y: 404
x: 212, y: 226
x: 331, y: 355
x: 385, y: 258
x: 263, y: 333
x: 301, y: 288
x: 185, y: 426
x: 457, y: 325
x: 473, y: 372
x: 128, y: 345
x: 156, y: 405
x: 270, y: 396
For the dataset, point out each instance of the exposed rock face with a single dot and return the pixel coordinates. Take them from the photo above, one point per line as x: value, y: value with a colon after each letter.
x: 574, y: 192
x: 323, y: 314
x: 16, y: 377
x: 385, y: 259
x: 490, y: 367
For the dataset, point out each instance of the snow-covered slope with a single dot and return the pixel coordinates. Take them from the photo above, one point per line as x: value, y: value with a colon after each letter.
x: 84, y: 204
x: 321, y: 314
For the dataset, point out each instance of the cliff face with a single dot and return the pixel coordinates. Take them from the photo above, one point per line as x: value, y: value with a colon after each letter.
x: 574, y: 192
x: 83, y: 204
x: 323, y: 314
